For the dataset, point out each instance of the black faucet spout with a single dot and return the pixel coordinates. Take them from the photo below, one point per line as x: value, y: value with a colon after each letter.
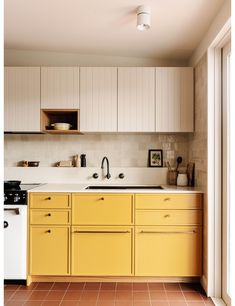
x: 108, y: 175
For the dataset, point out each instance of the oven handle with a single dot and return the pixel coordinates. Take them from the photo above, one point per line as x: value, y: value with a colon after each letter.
x: 16, y: 210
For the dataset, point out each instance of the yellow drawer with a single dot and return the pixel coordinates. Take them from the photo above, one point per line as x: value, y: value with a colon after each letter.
x: 49, y: 200
x: 102, y: 209
x: 49, y: 217
x: 169, y: 201
x: 168, y: 217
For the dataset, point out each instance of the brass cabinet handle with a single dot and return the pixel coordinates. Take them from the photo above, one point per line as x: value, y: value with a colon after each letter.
x: 102, y: 199
x: 159, y: 232
x: 167, y: 199
x: 101, y: 232
x: 16, y: 210
x: 48, y: 231
x: 49, y: 198
x: 167, y: 216
x: 48, y: 215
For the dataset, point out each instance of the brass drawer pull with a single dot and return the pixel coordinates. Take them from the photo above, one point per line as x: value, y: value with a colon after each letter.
x: 48, y: 215
x: 49, y: 198
x: 102, y: 199
x: 167, y: 216
x: 159, y: 232
x: 167, y: 199
x: 48, y: 231
x: 101, y: 232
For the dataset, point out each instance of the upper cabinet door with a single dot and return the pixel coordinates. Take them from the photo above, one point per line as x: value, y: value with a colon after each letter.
x: 59, y: 87
x: 136, y: 99
x: 174, y: 99
x: 22, y: 99
x: 98, y: 99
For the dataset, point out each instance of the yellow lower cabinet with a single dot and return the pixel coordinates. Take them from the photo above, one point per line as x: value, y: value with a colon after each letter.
x: 49, y: 250
x: 103, y: 250
x: 168, y: 251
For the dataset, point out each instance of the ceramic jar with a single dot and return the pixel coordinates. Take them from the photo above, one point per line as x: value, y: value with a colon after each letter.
x: 182, y: 179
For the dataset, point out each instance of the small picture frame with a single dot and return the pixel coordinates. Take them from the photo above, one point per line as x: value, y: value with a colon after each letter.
x: 155, y: 158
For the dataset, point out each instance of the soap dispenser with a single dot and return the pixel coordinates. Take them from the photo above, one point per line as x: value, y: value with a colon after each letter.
x: 83, y: 160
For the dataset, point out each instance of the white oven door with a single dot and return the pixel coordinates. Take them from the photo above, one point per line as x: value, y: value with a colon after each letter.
x: 15, y: 241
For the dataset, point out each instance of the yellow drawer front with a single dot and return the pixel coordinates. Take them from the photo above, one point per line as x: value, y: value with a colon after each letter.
x: 103, y: 251
x: 168, y: 217
x: 49, y: 250
x: 100, y: 209
x: 168, y: 251
x: 49, y: 200
x: 49, y: 217
x: 169, y: 201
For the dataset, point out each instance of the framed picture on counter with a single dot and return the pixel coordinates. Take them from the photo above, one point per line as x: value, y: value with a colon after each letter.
x: 155, y: 158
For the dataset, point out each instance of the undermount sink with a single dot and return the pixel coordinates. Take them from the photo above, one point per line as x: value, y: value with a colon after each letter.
x: 123, y: 187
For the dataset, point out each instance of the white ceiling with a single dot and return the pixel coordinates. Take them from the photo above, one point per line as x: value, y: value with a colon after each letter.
x: 108, y: 27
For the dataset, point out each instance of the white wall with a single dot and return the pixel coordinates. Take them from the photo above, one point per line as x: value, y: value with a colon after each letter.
x: 129, y: 150
x: 45, y: 58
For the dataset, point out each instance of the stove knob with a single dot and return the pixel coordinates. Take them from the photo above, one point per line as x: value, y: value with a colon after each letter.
x: 16, y: 198
x: 5, y: 198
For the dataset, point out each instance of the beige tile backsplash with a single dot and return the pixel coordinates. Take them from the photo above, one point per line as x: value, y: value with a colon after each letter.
x: 123, y: 150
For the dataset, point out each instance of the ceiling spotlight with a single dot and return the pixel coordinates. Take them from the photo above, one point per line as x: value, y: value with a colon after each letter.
x: 143, y: 17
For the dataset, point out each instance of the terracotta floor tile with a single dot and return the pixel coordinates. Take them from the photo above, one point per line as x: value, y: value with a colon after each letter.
x: 89, y: 295
x: 87, y: 303
x: 124, y: 303
x: 14, y: 303
x: 141, y: 303
x: 92, y: 286
x: 69, y: 303
x: 124, y: 295
x: 108, y: 286
x: 60, y: 286
x: 201, y: 303
x: 44, y: 286
x: 107, y: 295
x: 55, y: 295
x: 141, y: 296
x: 8, y: 294
x: 106, y: 303
x: 175, y: 296
x: 191, y: 287
x: 33, y: 303
x: 38, y: 295
x: 209, y: 303
x: 140, y: 286
x: 32, y: 286
x: 192, y: 296
x: 124, y: 286
x: 158, y: 295
x: 160, y: 303
x: 172, y: 287
x: 21, y: 295
x: 11, y: 287
x: 51, y: 303
x: 177, y: 303
x: 156, y: 286
x: 73, y: 295
x: 76, y: 286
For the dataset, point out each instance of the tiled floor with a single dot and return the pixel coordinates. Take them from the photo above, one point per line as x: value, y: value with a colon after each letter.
x: 106, y: 294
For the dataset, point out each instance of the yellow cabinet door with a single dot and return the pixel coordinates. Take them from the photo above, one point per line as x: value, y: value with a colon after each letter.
x: 102, y: 251
x: 52, y: 216
x: 49, y: 250
x: 168, y: 251
x: 102, y: 209
x: 49, y: 200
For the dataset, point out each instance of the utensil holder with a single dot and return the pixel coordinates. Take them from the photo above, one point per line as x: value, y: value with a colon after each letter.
x: 172, y: 177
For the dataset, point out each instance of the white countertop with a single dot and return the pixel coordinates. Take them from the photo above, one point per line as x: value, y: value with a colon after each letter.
x: 81, y: 189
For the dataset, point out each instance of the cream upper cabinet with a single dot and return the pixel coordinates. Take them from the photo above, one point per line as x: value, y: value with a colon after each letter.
x: 59, y: 87
x: 174, y: 99
x: 136, y: 99
x: 22, y: 99
x: 98, y: 99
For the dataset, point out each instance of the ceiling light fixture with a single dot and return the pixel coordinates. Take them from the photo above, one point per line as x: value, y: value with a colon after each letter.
x: 143, y: 17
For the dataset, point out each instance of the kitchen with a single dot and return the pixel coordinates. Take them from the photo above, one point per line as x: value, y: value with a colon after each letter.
x: 142, y: 99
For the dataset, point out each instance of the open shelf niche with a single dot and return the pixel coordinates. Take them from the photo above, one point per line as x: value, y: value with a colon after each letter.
x: 50, y: 116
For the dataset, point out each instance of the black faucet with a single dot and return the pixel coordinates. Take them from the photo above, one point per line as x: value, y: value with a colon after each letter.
x: 108, y: 175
